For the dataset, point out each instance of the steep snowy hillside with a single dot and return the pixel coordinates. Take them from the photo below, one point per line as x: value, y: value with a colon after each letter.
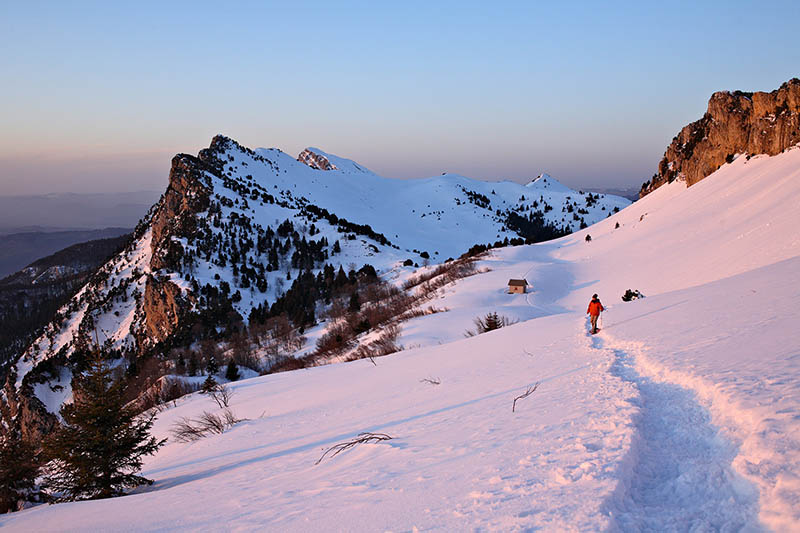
x: 682, y: 414
x: 243, y: 236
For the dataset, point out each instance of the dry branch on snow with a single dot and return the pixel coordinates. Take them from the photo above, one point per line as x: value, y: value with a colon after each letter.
x: 524, y: 395
x: 362, y: 438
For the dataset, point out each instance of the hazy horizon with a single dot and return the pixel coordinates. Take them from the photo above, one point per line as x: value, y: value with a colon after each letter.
x: 99, y: 97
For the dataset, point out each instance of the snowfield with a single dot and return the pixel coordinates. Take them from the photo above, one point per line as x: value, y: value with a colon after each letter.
x: 682, y: 414
x: 425, y: 219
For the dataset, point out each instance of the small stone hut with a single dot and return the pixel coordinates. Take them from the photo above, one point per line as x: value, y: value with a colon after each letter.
x: 517, y: 286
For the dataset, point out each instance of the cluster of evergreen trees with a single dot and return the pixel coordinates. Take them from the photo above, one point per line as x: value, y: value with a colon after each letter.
x: 96, y: 452
x: 300, y: 301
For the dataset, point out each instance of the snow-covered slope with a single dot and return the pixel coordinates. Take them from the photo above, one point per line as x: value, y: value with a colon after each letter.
x: 683, y: 413
x: 236, y: 226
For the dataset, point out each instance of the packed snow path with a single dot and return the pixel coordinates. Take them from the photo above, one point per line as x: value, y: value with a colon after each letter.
x: 680, y: 476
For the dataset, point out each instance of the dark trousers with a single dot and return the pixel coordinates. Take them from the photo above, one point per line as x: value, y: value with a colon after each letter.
x: 594, y: 322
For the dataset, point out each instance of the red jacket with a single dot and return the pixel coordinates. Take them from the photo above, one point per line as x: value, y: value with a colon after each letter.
x: 595, y: 307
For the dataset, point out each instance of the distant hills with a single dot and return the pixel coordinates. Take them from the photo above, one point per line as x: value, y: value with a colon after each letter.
x: 73, y: 211
x: 17, y: 250
x: 30, y: 297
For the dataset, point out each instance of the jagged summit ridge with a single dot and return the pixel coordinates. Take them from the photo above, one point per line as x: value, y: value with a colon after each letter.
x: 735, y: 123
x: 236, y: 228
x: 319, y: 160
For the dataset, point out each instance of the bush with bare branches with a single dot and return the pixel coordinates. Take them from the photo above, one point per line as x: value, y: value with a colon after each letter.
x: 221, y: 394
x: 190, y: 430
x: 162, y: 392
x: 385, y: 344
x: 446, y: 272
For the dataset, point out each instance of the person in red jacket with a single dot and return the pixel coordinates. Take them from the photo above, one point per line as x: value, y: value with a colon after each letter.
x: 594, y: 310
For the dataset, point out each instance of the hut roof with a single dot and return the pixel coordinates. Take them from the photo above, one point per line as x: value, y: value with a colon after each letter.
x: 517, y: 283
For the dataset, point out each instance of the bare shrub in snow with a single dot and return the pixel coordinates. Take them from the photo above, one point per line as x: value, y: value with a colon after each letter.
x: 162, y: 392
x: 450, y: 271
x: 336, y: 340
x: 221, y: 394
x: 362, y: 438
x: 383, y: 306
x: 242, y: 352
x: 278, y: 340
x: 385, y: 344
x: 190, y: 430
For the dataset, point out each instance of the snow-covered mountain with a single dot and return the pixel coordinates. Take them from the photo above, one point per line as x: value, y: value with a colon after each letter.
x: 681, y: 414
x: 236, y: 228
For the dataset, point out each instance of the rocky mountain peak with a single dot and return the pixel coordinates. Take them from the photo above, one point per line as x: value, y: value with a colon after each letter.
x: 735, y: 123
x: 547, y: 182
x: 315, y: 160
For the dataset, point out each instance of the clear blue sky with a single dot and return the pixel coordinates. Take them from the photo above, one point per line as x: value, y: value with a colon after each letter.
x: 99, y: 96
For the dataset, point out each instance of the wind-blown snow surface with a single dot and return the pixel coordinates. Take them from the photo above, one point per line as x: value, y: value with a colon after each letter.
x: 683, y: 413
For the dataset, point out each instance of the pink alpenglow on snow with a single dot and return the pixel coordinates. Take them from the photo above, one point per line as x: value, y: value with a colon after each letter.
x: 683, y: 413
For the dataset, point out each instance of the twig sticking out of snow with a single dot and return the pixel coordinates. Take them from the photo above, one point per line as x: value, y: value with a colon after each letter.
x: 525, y: 395
x: 362, y: 438
x: 432, y: 381
x: 527, y: 352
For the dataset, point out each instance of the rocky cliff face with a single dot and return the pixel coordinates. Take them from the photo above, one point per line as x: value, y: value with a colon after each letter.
x: 138, y: 283
x: 187, y: 194
x: 314, y: 160
x: 24, y: 412
x: 735, y: 123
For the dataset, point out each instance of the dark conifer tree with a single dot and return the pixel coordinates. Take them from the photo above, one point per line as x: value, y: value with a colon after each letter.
x: 209, y: 384
x: 19, y: 467
x: 232, y: 372
x: 211, y: 366
x: 355, y: 303
x: 98, y: 450
x: 180, y: 365
x: 193, y: 364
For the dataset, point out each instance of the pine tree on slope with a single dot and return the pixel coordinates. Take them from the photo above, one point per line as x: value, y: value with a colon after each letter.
x: 19, y: 467
x: 98, y: 450
x: 232, y: 372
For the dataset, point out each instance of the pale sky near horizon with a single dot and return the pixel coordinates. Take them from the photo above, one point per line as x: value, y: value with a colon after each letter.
x: 99, y: 96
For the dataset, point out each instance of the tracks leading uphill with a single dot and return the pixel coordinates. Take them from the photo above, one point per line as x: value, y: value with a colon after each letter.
x: 679, y: 475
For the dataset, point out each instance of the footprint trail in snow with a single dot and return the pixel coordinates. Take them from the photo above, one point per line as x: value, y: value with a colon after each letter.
x: 680, y: 476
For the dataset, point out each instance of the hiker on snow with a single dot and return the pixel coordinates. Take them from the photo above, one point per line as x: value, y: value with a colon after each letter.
x: 595, y: 307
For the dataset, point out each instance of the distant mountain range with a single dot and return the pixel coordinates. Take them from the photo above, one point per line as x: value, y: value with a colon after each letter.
x: 20, y: 249
x: 30, y: 297
x: 242, y: 236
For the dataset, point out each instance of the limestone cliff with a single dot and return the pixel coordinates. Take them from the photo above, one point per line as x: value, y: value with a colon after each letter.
x: 315, y: 160
x: 735, y: 123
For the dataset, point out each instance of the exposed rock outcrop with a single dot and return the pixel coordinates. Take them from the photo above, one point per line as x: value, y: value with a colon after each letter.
x: 735, y: 123
x: 163, y: 308
x: 315, y: 160
x: 23, y: 411
x: 187, y: 194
